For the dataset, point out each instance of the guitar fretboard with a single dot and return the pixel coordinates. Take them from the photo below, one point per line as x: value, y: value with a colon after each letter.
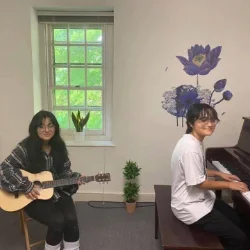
x: 66, y: 182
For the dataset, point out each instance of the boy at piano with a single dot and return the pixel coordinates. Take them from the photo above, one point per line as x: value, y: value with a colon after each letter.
x: 193, y: 201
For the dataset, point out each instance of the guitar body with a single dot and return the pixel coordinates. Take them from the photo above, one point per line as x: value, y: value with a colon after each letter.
x: 10, y: 203
x: 45, y: 184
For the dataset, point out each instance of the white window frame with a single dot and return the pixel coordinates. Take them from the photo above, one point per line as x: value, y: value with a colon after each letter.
x: 46, y: 67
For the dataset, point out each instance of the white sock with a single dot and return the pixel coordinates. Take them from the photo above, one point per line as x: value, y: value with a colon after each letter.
x: 49, y: 247
x: 71, y: 245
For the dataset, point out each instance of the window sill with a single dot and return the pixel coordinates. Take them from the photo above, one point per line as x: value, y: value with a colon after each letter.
x: 72, y: 143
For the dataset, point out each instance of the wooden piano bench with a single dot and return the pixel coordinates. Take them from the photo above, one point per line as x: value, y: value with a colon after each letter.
x: 174, y: 234
x: 24, y: 227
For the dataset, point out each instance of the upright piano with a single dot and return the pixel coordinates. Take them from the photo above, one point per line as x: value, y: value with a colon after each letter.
x: 235, y: 160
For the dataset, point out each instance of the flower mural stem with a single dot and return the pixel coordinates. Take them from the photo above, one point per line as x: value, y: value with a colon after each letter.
x: 219, y: 101
x: 211, y: 97
x: 197, y: 80
x: 177, y: 121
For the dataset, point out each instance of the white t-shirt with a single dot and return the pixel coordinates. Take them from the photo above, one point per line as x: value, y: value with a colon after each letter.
x: 189, y: 203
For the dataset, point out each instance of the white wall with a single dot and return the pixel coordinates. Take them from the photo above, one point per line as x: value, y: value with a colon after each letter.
x: 148, y: 37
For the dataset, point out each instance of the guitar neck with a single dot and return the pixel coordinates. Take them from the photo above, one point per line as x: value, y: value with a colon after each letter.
x: 66, y: 182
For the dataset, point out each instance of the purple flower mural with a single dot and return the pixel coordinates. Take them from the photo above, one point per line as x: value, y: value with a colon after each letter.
x: 201, y: 60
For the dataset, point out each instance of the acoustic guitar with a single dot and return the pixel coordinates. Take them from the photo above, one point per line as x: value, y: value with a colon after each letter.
x: 44, y: 182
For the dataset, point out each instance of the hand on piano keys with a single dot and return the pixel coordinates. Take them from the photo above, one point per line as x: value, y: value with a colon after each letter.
x: 246, y: 194
x: 229, y: 177
x: 223, y: 169
x: 234, y: 182
x: 238, y: 186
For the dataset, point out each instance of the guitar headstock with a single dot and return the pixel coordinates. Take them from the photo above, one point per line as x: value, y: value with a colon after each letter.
x: 102, y: 177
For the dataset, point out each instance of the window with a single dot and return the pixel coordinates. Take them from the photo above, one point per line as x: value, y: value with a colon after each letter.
x: 78, y: 63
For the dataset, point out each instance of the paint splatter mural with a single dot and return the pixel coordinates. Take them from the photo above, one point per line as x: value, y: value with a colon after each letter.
x: 201, y: 61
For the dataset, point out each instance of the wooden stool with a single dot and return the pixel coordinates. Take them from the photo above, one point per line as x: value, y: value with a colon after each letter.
x: 25, y: 231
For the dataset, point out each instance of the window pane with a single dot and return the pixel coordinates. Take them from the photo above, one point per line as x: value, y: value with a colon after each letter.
x: 95, y: 120
x: 94, y: 98
x: 77, y: 54
x: 62, y: 118
x: 76, y: 35
x: 61, y: 76
x: 94, y: 54
x: 94, y: 77
x: 78, y: 73
x: 77, y: 76
x: 94, y: 35
x: 60, y: 54
x: 71, y: 124
x: 60, y: 35
x: 61, y: 97
x: 77, y: 97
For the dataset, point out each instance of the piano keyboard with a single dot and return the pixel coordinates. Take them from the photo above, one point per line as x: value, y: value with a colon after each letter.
x: 222, y: 169
x: 247, y: 195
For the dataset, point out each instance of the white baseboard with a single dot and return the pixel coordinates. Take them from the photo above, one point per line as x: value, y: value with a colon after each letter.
x: 117, y: 197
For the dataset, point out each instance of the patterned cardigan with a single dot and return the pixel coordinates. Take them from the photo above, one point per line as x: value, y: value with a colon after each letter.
x: 11, y: 179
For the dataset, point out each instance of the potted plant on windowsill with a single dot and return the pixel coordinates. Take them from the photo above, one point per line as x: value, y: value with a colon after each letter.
x: 79, y: 124
x: 131, y: 188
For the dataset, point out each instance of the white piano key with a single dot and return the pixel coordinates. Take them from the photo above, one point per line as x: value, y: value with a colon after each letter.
x: 220, y: 167
x: 247, y: 195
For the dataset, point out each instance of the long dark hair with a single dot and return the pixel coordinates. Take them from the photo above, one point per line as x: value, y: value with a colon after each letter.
x: 199, y: 111
x: 34, y: 144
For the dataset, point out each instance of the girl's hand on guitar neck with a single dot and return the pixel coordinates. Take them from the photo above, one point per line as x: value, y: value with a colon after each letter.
x: 33, y: 194
x: 81, y: 182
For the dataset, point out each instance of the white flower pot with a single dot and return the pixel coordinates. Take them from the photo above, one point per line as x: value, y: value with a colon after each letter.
x: 79, y: 136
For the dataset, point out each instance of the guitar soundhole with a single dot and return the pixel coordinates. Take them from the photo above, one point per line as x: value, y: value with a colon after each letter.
x: 38, y: 184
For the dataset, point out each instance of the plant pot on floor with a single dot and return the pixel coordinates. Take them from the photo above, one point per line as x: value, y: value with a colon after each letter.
x: 79, y: 136
x: 130, y: 207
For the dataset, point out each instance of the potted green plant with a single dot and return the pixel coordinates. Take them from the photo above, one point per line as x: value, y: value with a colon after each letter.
x: 79, y: 124
x: 131, y: 188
